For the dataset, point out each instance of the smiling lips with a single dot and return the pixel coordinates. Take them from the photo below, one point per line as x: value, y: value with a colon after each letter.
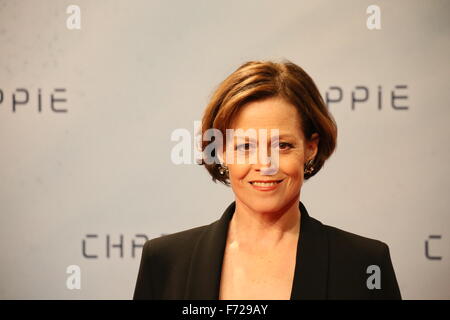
x: 265, y: 185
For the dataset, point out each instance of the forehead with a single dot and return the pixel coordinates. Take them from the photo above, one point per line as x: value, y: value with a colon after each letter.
x: 271, y: 113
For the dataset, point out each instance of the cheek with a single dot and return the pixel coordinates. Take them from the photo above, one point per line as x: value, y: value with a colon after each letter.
x: 238, y: 172
x: 292, y: 167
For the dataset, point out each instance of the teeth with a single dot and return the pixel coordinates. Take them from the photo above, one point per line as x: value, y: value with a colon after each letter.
x: 264, y: 184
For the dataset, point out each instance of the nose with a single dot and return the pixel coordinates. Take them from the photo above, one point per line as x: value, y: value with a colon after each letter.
x: 266, y: 164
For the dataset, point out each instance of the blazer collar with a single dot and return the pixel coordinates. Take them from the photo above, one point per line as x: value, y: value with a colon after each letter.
x: 311, y: 268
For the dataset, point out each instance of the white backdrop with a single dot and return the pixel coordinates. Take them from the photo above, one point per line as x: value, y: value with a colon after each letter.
x: 137, y: 70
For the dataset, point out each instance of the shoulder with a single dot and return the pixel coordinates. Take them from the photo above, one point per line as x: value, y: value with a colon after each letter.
x: 349, y: 249
x: 165, y: 263
x: 353, y: 259
x: 357, y: 244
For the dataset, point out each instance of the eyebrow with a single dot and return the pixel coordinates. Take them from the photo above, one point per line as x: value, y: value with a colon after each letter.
x: 285, y: 135
x: 275, y: 137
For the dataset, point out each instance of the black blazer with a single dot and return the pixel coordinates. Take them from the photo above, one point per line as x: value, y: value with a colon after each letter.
x: 330, y: 264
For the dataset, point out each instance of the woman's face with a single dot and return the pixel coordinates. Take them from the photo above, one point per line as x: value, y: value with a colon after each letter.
x: 293, y: 151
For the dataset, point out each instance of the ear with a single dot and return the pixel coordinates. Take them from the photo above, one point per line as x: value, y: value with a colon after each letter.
x: 312, y: 146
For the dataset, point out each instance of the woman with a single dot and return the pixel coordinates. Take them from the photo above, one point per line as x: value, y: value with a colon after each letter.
x: 265, y: 245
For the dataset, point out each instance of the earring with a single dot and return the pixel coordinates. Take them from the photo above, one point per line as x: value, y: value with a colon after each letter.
x: 309, y: 168
x: 223, y: 170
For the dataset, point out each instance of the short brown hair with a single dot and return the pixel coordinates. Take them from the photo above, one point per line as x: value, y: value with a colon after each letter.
x: 257, y: 80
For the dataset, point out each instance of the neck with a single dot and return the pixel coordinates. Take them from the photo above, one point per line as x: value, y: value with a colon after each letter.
x: 265, y: 229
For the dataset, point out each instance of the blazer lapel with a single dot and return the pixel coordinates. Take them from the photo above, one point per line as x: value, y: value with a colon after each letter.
x: 311, y: 269
x: 310, y: 275
x: 203, y: 282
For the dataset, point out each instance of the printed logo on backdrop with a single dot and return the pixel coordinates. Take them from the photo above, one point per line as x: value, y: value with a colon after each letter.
x: 362, y: 97
x: 428, y: 252
x: 97, y: 246
x: 32, y: 100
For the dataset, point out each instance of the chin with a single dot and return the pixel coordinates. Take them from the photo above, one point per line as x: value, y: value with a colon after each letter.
x: 265, y: 204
